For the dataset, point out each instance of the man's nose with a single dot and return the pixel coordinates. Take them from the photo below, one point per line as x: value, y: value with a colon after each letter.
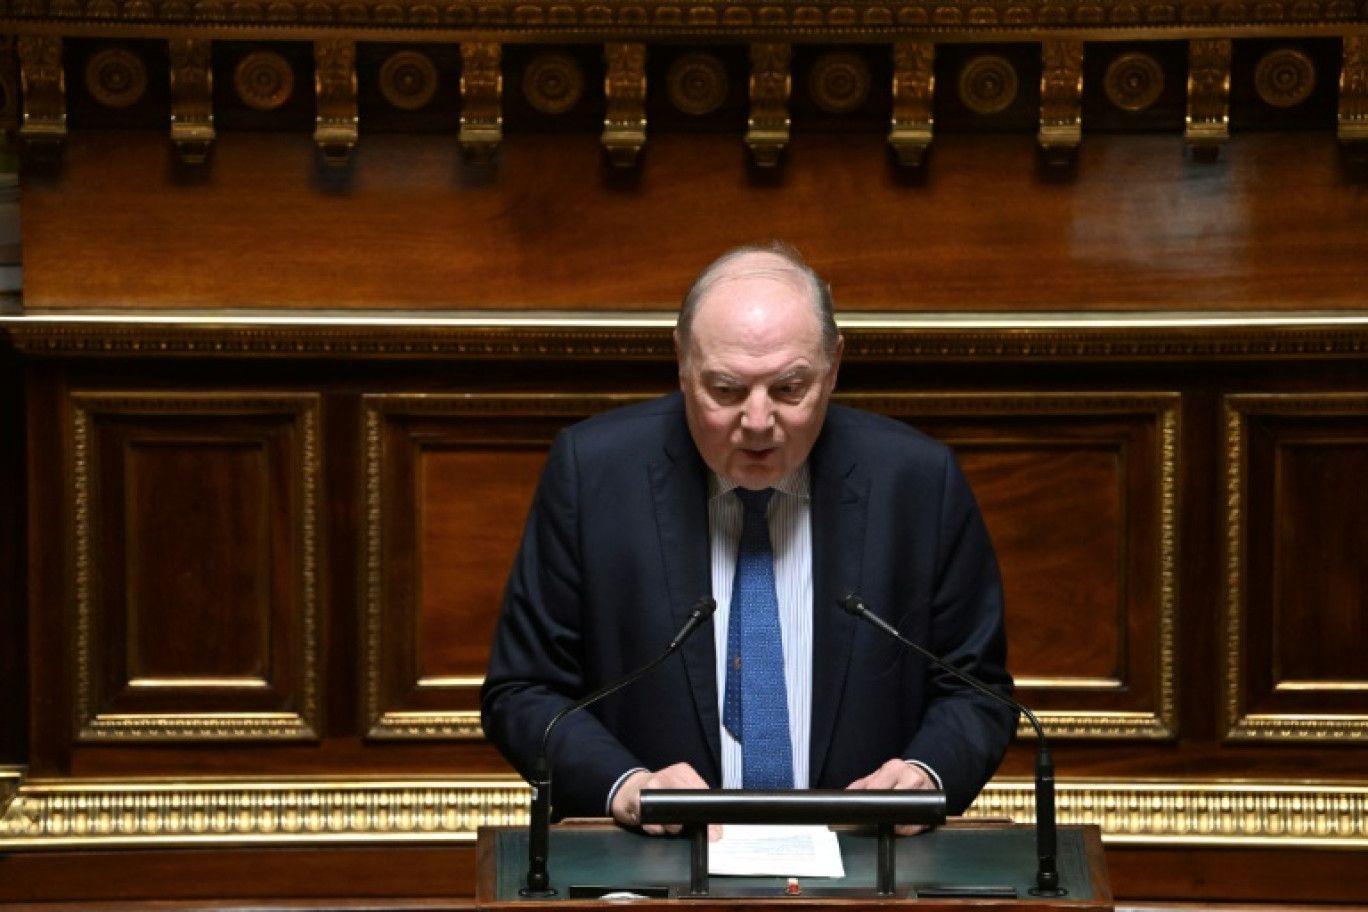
x: 757, y: 413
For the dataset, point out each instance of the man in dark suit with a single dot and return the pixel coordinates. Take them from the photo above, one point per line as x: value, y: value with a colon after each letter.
x: 635, y: 518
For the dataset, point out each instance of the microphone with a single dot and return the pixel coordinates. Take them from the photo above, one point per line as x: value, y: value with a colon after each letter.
x: 1047, y: 874
x: 538, y: 881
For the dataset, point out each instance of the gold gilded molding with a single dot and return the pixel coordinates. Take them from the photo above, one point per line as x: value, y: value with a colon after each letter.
x: 697, y: 83
x: 336, y: 121
x: 408, y: 80
x: 914, y: 83
x: 1353, y: 99
x: 1134, y: 82
x: 192, y: 93
x: 691, y: 19
x: 988, y: 84
x: 386, y: 722
x: 94, y: 725
x: 1232, y: 336
x: 116, y: 77
x: 481, y: 100
x: 264, y: 80
x: 1161, y: 721
x: 839, y: 82
x: 43, y: 83
x: 1061, y: 100
x: 1240, y: 723
x: 1284, y: 78
x: 553, y: 82
x: 767, y: 131
x: 1208, y: 107
x: 47, y: 814
x: 624, y: 124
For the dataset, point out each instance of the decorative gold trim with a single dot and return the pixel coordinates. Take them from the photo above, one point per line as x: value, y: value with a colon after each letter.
x: 1134, y: 82
x: 481, y: 100
x: 988, y: 84
x: 638, y: 336
x: 624, y: 85
x: 1353, y: 99
x: 43, y: 85
x: 1208, y: 111
x: 914, y: 82
x: 408, y: 80
x: 697, y: 83
x: 1163, y: 407
x: 47, y: 814
x: 553, y: 82
x: 1240, y: 724
x: 534, y: 20
x: 264, y: 80
x: 839, y: 82
x: 386, y: 723
x: 1061, y: 99
x: 767, y: 131
x: 116, y: 77
x: 336, y: 123
x: 93, y: 725
x: 1284, y: 78
x: 192, y: 94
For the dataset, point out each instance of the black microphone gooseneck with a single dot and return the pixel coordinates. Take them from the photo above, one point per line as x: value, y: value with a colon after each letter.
x: 1047, y: 873
x: 539, y: 834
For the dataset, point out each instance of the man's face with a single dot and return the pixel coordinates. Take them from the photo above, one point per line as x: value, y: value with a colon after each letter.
x: 756, y: 379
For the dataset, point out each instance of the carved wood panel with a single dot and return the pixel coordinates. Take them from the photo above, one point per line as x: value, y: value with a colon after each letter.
x: 195, y: 566
x: 1295, y: 628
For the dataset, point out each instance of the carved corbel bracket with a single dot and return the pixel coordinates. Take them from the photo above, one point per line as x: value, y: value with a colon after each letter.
x: 43, y: 130
x: 336, y: 125
x: 1353, y: 100
x: 624, y: 127
x: 1208, y: 108
x: 481, y: 100
x: 914, y: 84
x: 1061, y: 100
x: 770, y: 85
x: 192, y: 93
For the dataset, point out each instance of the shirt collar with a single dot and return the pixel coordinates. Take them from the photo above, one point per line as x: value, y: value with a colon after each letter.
x: 795, y: 484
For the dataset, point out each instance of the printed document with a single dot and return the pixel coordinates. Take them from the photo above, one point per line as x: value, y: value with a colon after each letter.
x: 776, y: 851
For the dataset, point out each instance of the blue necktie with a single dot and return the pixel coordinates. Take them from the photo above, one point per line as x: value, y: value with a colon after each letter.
x: 755, y: 708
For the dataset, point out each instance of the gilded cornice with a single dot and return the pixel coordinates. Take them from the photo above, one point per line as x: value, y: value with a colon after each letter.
x: 646, y: 336
x: 533, y: 20
x: 167, y: 813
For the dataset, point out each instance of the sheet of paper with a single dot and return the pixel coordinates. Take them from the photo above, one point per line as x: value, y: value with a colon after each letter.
x: 776, y: 851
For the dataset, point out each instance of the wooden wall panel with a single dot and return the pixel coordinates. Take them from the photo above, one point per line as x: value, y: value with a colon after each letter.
x: 195, y: 561
x: 1296, y: 634
x: 1078, y: 492
x: 450, y: 480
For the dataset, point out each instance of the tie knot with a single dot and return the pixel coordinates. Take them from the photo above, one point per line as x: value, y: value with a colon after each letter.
x: 755, y: 501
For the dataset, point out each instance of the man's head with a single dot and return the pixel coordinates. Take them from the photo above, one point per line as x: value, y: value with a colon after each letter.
x: 758, y: 353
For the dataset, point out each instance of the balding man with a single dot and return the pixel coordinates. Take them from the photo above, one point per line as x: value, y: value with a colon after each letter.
x: 750, y: 486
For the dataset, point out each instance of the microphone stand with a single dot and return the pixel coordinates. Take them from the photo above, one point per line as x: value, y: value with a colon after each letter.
x: 1047, y: 872
x: 538, y: 881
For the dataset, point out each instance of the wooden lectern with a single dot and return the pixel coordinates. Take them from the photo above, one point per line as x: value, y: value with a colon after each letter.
x: 961, y: 865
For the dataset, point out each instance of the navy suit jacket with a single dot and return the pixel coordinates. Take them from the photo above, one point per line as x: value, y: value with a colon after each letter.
x: 615, y: 553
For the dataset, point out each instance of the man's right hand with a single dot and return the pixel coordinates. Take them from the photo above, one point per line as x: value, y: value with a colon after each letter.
x: 627, y: 802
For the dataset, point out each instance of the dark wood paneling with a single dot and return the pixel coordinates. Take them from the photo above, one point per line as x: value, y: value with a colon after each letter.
x: 1295, y: 626
x: 194, y: 548
x: 1135, y: 225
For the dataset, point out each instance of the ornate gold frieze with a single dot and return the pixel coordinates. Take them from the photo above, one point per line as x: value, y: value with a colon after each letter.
x: 92, y: 722
x: 408, y: 80
x: 43, y: 81
x: 839, y: 82
x: 264, y: 80
x: 1208, y: 110
x: 93, y: 814
x: 553, y: 82
x: 192, y: 92
x: 767, y: 131
x: 624, y: 124
x: 1284, y: 78
x: 481, y: 100
x: 336, y: 123
x: 988, y: 84
x: 1134, y: 81
x: 1061, y: 99
x: 116, y: 77
x: 298, y: 334
x: 1353, y: 100
x: 914, y: 84
x: 697, y: 83
x: 541, y: 19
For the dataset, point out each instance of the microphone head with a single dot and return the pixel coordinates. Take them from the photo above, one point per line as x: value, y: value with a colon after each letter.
x: 704, y: 608
x: 852, y: 604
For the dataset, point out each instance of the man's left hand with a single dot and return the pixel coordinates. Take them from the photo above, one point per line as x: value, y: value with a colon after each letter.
x: 897, y: 774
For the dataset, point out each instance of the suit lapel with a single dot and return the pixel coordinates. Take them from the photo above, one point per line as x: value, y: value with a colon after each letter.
x: 840, y: 503
x: 679, y: 488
